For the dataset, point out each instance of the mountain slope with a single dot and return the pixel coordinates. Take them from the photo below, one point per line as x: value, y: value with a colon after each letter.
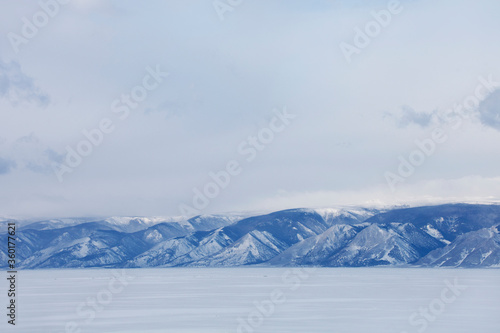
x: 394, y: 244
x: 474, y: 249
x: 450, y: 220
x: 455, y: 235
x: 316, y: 250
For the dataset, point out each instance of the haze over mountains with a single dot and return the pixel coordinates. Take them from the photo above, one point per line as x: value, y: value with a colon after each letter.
x: 451, y: 235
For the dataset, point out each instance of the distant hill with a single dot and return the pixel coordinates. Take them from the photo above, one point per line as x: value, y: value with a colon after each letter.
x: 451, y: 235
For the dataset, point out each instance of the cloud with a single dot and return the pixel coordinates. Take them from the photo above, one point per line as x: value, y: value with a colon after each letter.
x: 226, y: 78
x: 6, y: 165
x: 468, y: 189
x: 409, y: 116
x: 34, y: 155
x: 489, y: 110
x: 44, y: 161
x: 17, y: 87
x: 29, y: 153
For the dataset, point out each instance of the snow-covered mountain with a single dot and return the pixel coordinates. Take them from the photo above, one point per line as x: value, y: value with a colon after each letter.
x: 479, y: 248
x: 132, y: 223
x: 456, y: 235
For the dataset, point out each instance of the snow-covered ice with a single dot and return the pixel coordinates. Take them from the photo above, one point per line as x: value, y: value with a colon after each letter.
x: 209, y: 300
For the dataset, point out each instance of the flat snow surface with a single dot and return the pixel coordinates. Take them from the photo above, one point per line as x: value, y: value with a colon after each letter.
x: 177, y: 300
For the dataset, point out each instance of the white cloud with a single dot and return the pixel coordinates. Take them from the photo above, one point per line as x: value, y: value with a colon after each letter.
x: 489, y: 110
x: 470, y: 189
x: 18, y: 88
x: 226, y: 78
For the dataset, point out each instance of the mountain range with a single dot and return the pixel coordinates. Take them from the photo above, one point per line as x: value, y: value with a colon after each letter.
x: 450, y: 235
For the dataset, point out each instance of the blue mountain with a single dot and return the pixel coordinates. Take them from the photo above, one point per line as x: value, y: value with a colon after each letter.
x: 452, y: 235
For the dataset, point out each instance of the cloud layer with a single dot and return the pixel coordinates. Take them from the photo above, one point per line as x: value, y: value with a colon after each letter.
x: 17, y: 87
x: 216, y: 105
x: 489, y: 110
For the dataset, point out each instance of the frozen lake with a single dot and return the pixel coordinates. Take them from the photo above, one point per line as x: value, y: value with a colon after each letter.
x: 270, y: 300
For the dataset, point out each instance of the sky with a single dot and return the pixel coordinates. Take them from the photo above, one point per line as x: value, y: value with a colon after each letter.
x: 196, y: 107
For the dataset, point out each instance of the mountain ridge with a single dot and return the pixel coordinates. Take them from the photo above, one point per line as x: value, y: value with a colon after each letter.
x: 449, y: 235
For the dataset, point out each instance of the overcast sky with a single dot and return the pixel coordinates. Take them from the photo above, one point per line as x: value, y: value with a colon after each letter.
x: 351, y: 105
